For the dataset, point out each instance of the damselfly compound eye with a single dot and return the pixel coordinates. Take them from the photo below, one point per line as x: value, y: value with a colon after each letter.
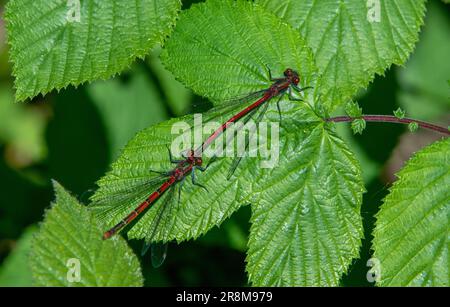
x: 288, y: 72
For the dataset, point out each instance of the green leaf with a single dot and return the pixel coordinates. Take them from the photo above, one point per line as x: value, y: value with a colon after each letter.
x: 399, y: 113
x: 412, y: 228
x: 70, y: 235
x: 351, y: 41
x: 413, y: 126
x: 224, y: 49
x: 53, y: 44
x: 306, y: 224
x: 15, y: 271
x: 127, y: 108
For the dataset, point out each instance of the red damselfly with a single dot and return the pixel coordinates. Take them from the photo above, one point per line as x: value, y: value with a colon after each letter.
x: 167, y: 182
x: 178, y: 174
x: 280, y: 86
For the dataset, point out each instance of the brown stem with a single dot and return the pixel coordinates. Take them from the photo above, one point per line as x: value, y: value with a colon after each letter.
x: 390, y: 119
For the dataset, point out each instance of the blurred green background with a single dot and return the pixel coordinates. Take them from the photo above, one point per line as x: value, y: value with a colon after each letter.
x: 72, y: 136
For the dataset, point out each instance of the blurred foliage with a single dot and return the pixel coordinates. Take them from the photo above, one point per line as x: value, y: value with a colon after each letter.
x: 76, y: 155
x: 15, y: 270
x: 68, y: 136
x: 424, y: 91
x: 126, y: 106
x: 22, y: 129
x: 177, y: 96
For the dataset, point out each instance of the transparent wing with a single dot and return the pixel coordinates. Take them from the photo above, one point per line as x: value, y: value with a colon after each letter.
x: 130, y: 192
x: 158, y: 253
x: 230, y: 105
x: 237, y: 159
x: 162, y: 225
x: 239, y: 100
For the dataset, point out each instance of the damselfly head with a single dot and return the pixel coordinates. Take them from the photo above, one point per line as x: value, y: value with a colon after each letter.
x: 198, y: 161
x: 189, y: 155
x: 107, y: 235
x: 288, y: 72
x: 192, y: 159
x: 292, y: 76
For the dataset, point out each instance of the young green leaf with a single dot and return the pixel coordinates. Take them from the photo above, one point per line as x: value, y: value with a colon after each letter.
x: 358, y: 125
x: 353, y: 109
x: 306, y: 224
x: 412, y: 228
x: 55, y: 43
x: 68, y: 250
x: 353, y: 39
x: 399, y: 113
x: 413, y: 126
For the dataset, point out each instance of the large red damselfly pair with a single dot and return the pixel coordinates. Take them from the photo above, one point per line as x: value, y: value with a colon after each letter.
x: 193, y: 161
